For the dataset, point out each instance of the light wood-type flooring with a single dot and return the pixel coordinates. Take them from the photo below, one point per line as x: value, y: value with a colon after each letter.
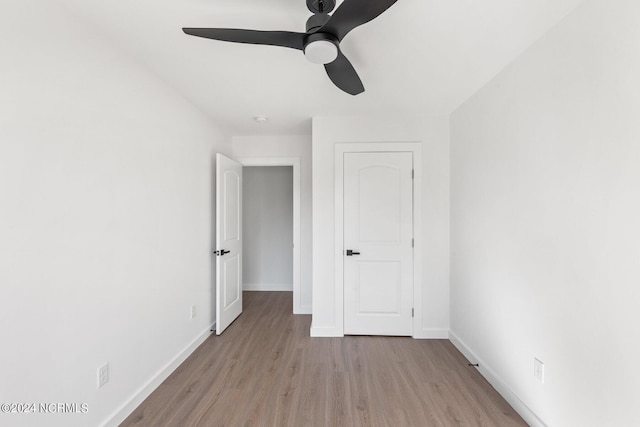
x: 265, y: 370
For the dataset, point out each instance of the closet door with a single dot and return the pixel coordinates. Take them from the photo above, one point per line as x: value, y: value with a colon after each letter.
x: 378, y: 242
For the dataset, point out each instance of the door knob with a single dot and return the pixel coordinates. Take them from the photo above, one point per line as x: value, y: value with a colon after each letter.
x: 352, y: 252
x: 221, y: 252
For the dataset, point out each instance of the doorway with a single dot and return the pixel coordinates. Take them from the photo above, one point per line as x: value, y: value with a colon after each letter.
x: 272, y: 262
x: 267, y: 228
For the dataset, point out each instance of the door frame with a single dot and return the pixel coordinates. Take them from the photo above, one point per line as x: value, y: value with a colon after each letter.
x: 378, y: 147
x: 295, y: 163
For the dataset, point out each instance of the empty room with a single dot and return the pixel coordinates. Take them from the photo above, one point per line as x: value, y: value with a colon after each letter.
x: 319, y: 213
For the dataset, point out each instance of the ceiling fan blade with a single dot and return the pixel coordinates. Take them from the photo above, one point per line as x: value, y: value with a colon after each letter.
x: 272, y: 38
x: 353, y: 13
x: 343, y: 75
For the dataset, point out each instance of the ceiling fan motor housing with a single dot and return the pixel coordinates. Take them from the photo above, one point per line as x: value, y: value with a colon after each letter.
x: 315, y: 22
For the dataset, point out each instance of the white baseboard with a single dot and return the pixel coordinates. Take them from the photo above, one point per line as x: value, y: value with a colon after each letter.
x: 326, y: 332
x: 305, y: 309
x: 432, y: 334
x: 128, y: 407
x: 425, y: 334
x: 501, y: 387
x: 270, y: 287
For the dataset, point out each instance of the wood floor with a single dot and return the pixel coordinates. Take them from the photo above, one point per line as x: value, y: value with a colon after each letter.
x: 266, y: 371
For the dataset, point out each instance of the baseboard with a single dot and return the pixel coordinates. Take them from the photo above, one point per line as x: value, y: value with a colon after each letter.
x: 326, y: 332
x: 424, y: 334
x: 305, y: 309
x: 432, y: 334
x: 271, y: 287
x: 501, y: 387
x: 128, y: 407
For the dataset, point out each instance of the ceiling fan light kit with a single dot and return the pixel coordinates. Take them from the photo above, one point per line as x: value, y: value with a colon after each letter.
x: 321, y: 41
x: 321, y: 49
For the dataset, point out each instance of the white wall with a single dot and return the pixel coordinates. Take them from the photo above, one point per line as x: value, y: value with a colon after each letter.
x: 432, y: 132
x: 105, y: 219
x: 289, y: 146
x: 546, y: 222
x: 267, y: 228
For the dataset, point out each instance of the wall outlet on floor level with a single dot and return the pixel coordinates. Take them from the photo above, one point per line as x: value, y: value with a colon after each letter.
x: 193, y: 311
x: 103, y: 375
x: 538, y: 369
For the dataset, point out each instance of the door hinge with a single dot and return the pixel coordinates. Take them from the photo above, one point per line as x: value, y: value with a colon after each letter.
x: 413, y: 173
x: 412, y: 312
x: 413, y: 243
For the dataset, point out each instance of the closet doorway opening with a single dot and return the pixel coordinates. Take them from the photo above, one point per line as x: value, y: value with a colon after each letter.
x: 271, y: 225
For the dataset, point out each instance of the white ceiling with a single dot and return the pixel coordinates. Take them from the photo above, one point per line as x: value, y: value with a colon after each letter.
x: 421, y: 56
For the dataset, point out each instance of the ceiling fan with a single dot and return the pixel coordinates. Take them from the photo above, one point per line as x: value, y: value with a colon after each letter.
x: 321, y: 41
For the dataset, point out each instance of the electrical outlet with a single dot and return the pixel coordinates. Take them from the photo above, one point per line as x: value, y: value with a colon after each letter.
x: 103, y: 375
x: 193, y: 311
x: 538, y: 369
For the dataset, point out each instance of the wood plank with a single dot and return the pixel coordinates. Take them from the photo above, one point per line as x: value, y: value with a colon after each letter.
x: 265, y: 370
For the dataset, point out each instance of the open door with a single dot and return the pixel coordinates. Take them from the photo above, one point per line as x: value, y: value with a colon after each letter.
x: 228, y: 241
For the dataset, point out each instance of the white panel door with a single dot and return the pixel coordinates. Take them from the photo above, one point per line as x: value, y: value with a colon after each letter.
x: 228, y: 241
x: 378, y: 248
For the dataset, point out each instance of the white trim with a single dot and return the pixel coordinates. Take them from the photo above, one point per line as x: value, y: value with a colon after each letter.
x: 432, y: 334
x: 154, y: 382
x: 298, y: 308
x: 501, y: 387
x: 361, y: 147
x: 324, y: 332
x: 267, y: 287
x: 305, y: 309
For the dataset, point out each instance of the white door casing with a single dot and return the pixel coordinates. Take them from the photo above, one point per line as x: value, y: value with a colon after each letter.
x: 228, y: 241
x: 378, y: 229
